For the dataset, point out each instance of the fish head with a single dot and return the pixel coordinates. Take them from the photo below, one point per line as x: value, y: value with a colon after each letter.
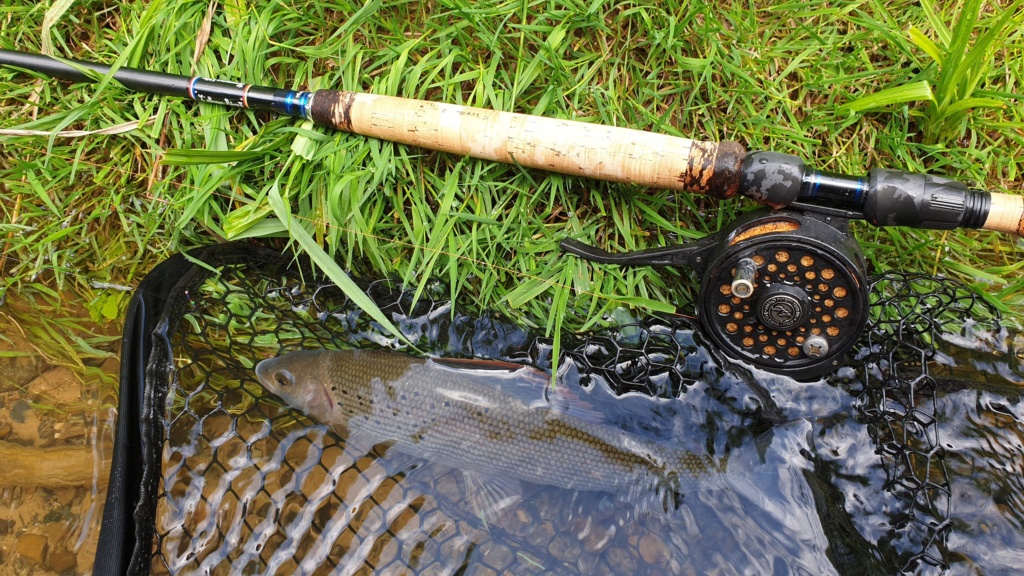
x: 301, y: 379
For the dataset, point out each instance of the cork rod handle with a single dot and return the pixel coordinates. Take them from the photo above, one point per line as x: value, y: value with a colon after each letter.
x: 1006, y: 214
x: 564, y: 146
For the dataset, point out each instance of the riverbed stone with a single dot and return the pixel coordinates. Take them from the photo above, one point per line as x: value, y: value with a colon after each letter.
x: 20, y: 411
x: 548, y: 504
x: 72, y: 430
x: 653, y: 550
x: 541, y: 535
x: 478, y: 570
x: 521, y: 522
x: 565, y: 548
x: 597, y: 536
x: 25, y: 424
x: 496, y: 555
x: 620, y: 560
x: 587, y: 562
x: 33, y: 547
x: 18, y: 370
x: 60, y: 560
x: 56, y: 385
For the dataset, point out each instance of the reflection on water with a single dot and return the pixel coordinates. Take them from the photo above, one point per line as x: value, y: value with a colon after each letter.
x: 832, y: 477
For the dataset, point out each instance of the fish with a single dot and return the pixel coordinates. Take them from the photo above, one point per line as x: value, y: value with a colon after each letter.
x: 482, y: 417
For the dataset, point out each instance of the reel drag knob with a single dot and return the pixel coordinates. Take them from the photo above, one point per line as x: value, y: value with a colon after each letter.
x: 786, y: 292
x: 783, y: 307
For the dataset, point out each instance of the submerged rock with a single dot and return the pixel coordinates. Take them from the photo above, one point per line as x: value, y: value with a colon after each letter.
x: 653, y: 550
x: 33, y: 547
x: 58, y: 385
x: 621, y: 561
x: 21, y: 367
x: 60, y: 560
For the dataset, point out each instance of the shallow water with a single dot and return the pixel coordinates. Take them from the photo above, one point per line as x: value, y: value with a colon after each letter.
x: 56, y: 427
x: 841, y: 476
x: 844, y: 476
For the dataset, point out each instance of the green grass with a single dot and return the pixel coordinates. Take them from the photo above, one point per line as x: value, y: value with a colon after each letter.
x: 790, y: 77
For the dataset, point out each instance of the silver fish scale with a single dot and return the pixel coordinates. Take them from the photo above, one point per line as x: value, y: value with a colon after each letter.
x: 456, y: 418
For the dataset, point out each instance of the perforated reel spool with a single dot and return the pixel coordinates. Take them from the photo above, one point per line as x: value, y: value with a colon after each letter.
x: 805, y: 289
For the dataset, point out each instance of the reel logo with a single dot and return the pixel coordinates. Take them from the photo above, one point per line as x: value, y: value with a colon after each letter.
x: 781, y: 311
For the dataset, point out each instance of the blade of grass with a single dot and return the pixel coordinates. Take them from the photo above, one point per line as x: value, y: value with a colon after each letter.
x: 913, y: 92
x: 327, y: 265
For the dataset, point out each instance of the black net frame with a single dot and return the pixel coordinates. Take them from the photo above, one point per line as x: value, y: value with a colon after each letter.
x: 127, y: 516
x: 654, y: 356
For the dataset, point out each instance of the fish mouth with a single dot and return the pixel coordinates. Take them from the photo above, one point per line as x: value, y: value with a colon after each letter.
x: 263, y: 371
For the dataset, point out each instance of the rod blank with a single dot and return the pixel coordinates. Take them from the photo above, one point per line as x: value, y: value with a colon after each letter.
x: 140, y: 80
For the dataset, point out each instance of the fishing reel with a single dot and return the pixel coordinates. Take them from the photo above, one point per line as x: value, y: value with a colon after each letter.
x: 783, y: 290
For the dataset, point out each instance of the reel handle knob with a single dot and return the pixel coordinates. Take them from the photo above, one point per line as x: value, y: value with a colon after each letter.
x: 743, y: 280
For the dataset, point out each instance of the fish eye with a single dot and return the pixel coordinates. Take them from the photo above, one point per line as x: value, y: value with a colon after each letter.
x: 283, y: 379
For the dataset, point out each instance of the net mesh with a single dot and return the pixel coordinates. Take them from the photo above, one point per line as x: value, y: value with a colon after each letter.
x: 911, y: 314
x: 247, y: 485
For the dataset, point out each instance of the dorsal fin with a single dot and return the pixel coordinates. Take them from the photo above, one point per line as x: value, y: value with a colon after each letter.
x: 479, y: 364
x: 565, y: 399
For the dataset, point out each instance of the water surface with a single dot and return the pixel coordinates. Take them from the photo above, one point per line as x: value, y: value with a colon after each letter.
x: 850, y: 475
x: 56, y: 433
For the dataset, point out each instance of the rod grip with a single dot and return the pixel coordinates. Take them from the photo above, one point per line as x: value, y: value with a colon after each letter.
x: 564, y: 146
x: 1006, y: 214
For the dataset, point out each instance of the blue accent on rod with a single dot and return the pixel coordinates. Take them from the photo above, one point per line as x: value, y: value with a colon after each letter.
x: 288, y: 102
x: 845, y: 190
x: 862, y: 188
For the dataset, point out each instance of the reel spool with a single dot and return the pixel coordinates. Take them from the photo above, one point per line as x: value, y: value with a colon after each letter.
x: 785, y: 291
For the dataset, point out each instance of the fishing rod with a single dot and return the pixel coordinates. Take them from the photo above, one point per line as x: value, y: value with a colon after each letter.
x: 783, y: 289
x: 719, y: 169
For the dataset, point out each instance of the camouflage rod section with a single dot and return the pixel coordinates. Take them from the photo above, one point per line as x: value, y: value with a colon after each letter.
x: 563, y: 146
x: 884, y: 197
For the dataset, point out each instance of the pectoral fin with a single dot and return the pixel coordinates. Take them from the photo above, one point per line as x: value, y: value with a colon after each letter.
x: 492, y: 498
x: 359, y: 443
